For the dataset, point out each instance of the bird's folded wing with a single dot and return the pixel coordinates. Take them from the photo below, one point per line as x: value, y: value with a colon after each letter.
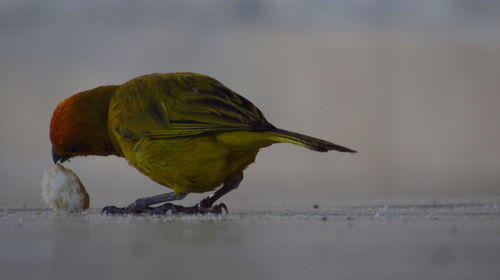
x: 179, y: 107
x: 190, y: 129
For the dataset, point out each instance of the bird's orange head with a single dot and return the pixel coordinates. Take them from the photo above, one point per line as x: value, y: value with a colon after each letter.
x: 79, y: 125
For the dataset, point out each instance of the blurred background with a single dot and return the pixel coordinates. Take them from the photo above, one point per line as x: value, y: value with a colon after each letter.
x: 414, y: 86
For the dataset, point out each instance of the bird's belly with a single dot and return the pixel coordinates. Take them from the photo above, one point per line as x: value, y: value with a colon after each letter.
x: 189, y: 164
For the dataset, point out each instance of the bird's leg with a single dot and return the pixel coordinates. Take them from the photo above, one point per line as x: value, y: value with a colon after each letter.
x: 142, y: 205
x: 207, y: 204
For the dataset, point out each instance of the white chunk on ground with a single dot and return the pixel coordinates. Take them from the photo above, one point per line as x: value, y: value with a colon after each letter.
x: 63, y: 190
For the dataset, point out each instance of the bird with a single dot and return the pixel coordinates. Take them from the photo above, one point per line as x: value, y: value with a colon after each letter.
x: 185, y: 131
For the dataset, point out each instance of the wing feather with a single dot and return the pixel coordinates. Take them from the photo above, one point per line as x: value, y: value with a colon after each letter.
x: 162, y: 106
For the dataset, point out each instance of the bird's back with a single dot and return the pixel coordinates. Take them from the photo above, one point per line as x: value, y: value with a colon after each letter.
x: 181, y: 104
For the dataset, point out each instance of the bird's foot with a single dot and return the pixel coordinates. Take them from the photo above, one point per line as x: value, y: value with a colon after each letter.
x: 178, y: 209
x: 113, y: 210
x: 137, y: 207
x: 214, y: 209
x: 164, y: 209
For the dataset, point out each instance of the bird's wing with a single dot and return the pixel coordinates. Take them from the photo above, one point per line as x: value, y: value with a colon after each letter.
x: 162, y: 106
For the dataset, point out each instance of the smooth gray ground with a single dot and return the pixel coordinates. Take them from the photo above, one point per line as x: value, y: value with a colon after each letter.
x: 364, y: 242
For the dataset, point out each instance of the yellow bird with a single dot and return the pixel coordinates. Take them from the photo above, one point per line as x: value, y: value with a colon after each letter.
x: 185, y: 131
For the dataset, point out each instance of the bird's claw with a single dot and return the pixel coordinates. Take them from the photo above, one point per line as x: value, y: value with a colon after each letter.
x: 216, y: 209
x: 164, y: 209
x: 197, y: 209
x: 137, y: 207
x: 113, y: 210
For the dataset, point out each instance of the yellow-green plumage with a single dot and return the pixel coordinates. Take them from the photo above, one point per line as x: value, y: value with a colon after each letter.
x: 186, y: 131
x: 178, y: 130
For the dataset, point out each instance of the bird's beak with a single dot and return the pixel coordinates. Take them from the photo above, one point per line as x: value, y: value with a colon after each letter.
x: 55, y: 156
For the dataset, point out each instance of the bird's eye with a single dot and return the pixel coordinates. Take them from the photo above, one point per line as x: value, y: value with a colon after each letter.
x: 73, y: 150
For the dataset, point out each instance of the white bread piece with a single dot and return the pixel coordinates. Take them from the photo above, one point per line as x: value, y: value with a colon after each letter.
x: 63, y: 190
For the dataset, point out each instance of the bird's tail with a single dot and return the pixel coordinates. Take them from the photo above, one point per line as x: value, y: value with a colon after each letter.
x: 309, y: 142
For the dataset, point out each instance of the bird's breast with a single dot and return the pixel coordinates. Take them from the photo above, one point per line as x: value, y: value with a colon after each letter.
x: 188, y: 164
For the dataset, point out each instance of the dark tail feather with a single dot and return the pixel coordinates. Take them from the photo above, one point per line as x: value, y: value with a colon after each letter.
x: 307, y: 141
